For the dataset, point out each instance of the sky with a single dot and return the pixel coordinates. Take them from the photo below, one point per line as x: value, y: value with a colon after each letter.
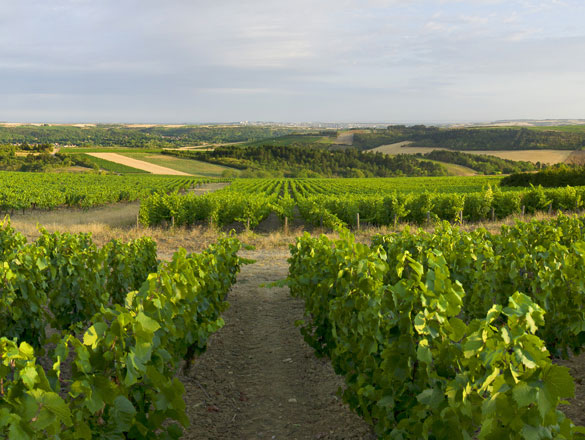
x: 395, y: 61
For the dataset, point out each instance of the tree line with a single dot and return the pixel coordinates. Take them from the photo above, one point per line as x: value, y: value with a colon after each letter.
x: 510, y: 138
x: 557, y: 176
x: 286, y: 161
x: 138, y: 137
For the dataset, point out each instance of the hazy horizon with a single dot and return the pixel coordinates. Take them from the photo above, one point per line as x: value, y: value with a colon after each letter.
x: 346, y: 61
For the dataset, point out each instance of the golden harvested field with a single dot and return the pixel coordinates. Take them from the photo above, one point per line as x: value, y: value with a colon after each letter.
x: 543, y: 156
x: 403, y: 148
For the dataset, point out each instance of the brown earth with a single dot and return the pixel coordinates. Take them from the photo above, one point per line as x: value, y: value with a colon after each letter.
x: 576, y: 408
x: 258, y: 378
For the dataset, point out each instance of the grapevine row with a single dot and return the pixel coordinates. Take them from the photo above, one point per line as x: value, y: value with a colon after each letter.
x: 320, y: 202
x: 447, y: 335
x: 21, y: 191
x: 108, y: 374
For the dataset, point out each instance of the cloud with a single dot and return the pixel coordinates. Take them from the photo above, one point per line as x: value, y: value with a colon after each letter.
x: 231, y: 60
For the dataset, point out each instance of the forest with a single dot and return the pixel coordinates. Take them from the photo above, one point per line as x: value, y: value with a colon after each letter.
x: 509, y: 138
x: 285, y: 161
x: 143, y: 137
x: 557, y: 176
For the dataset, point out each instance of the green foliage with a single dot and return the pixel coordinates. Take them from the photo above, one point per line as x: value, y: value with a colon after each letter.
x: 36, y: 158
x: 415, y: 365
x: 121, y: 382
x: 63, y: 279
x: 558, y: 176
x: 535, y: 258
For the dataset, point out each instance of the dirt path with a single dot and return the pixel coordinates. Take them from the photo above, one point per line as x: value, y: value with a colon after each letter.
x: 259, y: 379
x: 208, y: 187
x: 139, y: 164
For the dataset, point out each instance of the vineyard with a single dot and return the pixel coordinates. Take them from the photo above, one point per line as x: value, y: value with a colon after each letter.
x: 91, y: 338
x: 21, y: 191
x: 449, y: 334
x: 332, y: 203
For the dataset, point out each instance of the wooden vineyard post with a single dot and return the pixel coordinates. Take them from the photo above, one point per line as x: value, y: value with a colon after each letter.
x: 550, y: 208
x: 358, y: 221
x: 173, y: 221
x: 523, y: 210
x: 395, y: 221
x: 461, y: 217
x: 428, y: 217
x: 286, y: 225
x: 493, y: 214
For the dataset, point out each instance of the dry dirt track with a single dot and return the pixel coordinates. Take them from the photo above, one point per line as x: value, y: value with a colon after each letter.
x: 259, y: 379
x: 135, y: 163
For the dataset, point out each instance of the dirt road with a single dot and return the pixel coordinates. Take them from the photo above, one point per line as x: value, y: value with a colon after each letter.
x: 139, y: 164
x: 259, y: 379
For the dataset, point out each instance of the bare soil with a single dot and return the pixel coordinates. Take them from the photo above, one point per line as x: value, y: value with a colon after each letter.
x: 576, y: 408
x: 258, y: 378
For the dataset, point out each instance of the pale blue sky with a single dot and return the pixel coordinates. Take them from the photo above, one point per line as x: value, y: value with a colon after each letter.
x: 302, y: 60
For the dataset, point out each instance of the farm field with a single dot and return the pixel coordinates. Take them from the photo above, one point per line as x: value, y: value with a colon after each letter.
x: 543, y: 156
x: 149, y: 167
x: 188, y: 166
